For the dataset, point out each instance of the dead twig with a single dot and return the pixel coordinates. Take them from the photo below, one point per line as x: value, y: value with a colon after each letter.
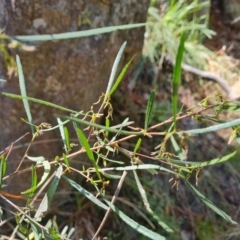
x: 113, y: 201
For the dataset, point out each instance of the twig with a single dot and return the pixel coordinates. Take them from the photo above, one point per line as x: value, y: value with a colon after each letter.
x: 10, y: 147
x: 110, y: 144
x: 180, y: 117
x: 113, y: 201
x: 25, y: 154
x: 23, y: 213
x: 136, y: 209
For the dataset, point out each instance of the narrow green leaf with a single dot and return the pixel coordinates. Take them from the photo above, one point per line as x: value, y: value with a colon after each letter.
x: 107, y: 124
x: 229, y: 124
x: 45, y: 203
x: 61, y: 128
x: 210, y: 204
x: 214, y: 161
x: 1, y: 213
x: 75, y: 126
x: 49, y: 224
x: 111, y: 176
x: 70, y: 233
x: 3, y: 168
x: 125, y: 123
x: 78, y: 34
x: 64, y: 231
x: 230, y: 106
x: 21, y: 227
x: 37, y: 226
x: 65, y: 159
x: 23, y: 92
x: 147, y: 205
x: 87, y: 194
x: 47, y: 168
x: 110, y: 160
x: 177, y: 149
x: 52, y: 189
x: 177, y: 77
x: 136, y: 226
x: 67, y: 138
x: 139, y: 141
x: 109, y: 148
x: 89, y: 152
x: 98, y: 126
x: 119, y: 127
x: 139, y: 167
x: 34, y: 184
x: 149, y: 109
x: 238, y: 137
x: 36, y: 233
x: 114, y: 70
x: 39, y: 102
x: 47, y: 235
x: 120, y: 77
x: 38, y: 160
x: 54, y: 234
